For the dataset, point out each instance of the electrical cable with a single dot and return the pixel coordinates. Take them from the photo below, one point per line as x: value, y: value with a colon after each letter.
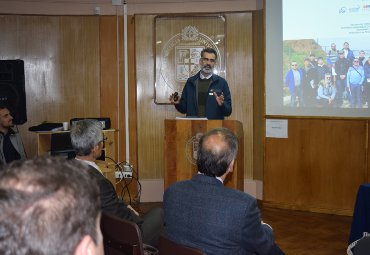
x: 124, y: 183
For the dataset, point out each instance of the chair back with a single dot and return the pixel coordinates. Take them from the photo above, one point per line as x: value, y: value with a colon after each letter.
x: 121, y: 237
x: 360, y: 247
x: 363, y: 246
x: 168, y: 247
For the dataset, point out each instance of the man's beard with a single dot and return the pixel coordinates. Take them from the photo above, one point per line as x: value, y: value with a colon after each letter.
x: 10, y: 124
x: 207, y: 69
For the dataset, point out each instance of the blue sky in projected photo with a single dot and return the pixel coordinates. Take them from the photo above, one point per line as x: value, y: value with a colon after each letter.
x: 328, y: 21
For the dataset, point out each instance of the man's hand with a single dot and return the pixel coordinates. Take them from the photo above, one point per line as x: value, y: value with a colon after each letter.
x: 220, y: 99
x: 174, y: 98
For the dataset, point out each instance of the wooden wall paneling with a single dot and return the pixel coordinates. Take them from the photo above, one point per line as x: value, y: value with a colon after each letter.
x: 150, y: 117
x: 258, y: 93
x: 108, y: 74
x: 79, y: 63
x: 39, y: 71
x: 109, y: 68
x: 318, y: 168
x: 61, y: 57
x: 239, y: 42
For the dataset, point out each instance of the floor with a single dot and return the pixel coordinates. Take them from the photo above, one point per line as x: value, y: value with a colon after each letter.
x: 301, y: 233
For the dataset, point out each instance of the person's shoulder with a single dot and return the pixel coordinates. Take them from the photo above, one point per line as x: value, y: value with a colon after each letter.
x: 12, y: 132
x: 238, y: 195
x: 177, y: 185
x: 95, y: 171
x: 217, y: 77
x: 194, y: 77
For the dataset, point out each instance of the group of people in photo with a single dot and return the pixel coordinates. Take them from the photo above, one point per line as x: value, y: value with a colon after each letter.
x: 342, y: 80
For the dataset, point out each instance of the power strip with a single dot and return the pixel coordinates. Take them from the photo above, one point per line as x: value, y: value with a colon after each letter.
x: 124, y: 174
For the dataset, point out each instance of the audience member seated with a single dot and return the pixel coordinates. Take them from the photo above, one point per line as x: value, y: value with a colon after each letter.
x: 11, y: 146
x: 326, y: 92
x: 87, y: 140
x: 204, y: 214
x: 49, y: 206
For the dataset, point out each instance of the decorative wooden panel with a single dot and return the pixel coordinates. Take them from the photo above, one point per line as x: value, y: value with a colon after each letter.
x: 178, y: 44
x: 319, y: 167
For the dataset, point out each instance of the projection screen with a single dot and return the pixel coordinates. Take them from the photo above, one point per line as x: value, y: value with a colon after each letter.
x: 305, y: 76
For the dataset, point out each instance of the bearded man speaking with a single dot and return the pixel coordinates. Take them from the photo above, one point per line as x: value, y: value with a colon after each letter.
x: 205, y: 94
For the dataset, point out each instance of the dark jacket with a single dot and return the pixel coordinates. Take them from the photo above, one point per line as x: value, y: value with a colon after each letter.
x: 109, y: 200
x: 367, y: 70
x: 16, y: 141
x: 189, y: 103
x: 204, y: 214
x: 341, y: 66
x: 321, y: 71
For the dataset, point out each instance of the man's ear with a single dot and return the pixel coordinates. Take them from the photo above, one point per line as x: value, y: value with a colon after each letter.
x: 86, y: 246
x: 95, y: 150
x: 230, y: 169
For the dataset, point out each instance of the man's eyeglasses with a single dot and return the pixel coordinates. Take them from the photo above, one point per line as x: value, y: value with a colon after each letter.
x: 209, y: 60
x: 294, y: 65
x: 355, y: 61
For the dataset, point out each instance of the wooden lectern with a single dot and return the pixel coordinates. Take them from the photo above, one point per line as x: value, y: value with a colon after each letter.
x: 180, y: 147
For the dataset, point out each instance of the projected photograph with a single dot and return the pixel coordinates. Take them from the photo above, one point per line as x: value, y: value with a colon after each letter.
x: 326, y: 54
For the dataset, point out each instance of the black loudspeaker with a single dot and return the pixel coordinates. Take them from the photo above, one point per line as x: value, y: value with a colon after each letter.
x: 12, y: 90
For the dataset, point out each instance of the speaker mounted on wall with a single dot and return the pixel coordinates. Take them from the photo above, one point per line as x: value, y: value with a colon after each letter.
x: 12, y: 89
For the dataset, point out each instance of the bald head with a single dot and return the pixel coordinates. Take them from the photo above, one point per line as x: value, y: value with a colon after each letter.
x: 217, y: 149
x: 215, y: 144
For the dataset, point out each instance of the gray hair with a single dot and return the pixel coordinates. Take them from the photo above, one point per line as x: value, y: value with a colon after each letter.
x: 214, y: 158
x: 85, y: 134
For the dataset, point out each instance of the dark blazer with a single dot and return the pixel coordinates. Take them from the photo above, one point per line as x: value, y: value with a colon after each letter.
x: 204, y: 214
x: 110, y: 201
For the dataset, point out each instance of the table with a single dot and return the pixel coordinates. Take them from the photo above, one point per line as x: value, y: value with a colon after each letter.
x: 361, y: 214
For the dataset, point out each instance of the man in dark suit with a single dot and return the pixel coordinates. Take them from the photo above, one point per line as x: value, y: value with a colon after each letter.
x: 87, y: 141
x: 204, y: 214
